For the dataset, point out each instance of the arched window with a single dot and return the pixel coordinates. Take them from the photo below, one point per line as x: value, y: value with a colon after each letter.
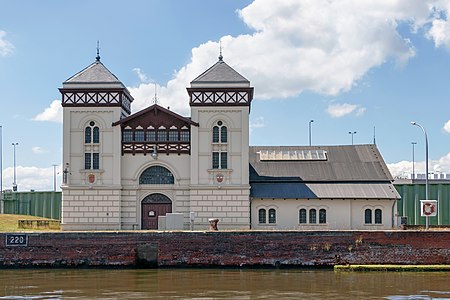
x: 219, y: 139
x: 368, y: 216
x: 322, y: 216
x: 312, y: 216
x: 215, y: 137
x: 302, y: 216
x: 91, y: 154
x: 262, y: 216
x: 272, y: 216
x: 96, y: 135
x: 87, y: 135
x: 156, y: 175
x: 223, y: 134
x: 378, y: 216
x: 157, y: 198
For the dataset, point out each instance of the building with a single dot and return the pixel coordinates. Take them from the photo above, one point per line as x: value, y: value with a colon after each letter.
x: 155, y: 168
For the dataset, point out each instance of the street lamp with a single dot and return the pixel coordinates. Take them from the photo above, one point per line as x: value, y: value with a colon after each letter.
x: 14, y: 182
x: 54, y: 178
x: 310, y: 131
x: 426, y: 167
x: 352, y: 133
x: 413, y: 143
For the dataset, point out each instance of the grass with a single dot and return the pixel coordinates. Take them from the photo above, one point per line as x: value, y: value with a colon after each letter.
x: 396, y: 268
x: 9, y: 222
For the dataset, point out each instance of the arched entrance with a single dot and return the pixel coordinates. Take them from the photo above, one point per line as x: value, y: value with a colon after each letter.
x: 152, y: 206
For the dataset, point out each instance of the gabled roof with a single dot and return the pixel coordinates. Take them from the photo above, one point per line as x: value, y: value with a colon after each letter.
x: 96, y: 73
x: 220, y: 73
x: 352, y: 163
x: 152, y: 111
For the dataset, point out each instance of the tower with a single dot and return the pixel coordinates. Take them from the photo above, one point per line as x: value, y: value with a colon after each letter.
x: 92, y: 100
x: 220, y: 103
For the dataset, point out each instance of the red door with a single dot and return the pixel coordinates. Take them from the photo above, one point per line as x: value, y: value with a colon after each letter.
x: 154, y: 205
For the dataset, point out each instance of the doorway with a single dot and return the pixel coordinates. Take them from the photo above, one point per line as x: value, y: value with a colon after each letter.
x: 152, y: 206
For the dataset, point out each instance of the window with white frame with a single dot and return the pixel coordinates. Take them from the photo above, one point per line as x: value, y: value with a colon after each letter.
x: 310, y: 216
x: 91, y: 146
x: 219, y: 146
x: 373, y: 216
x: 267, y: 216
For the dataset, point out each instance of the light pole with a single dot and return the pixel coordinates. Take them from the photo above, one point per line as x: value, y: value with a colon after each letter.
x: 413, y: 176
x: 54, y: 178
x: 352, y: 133
x: 310, y: 131
x: 1, y: 163
x: 14, y: 164
x: 426, y: 167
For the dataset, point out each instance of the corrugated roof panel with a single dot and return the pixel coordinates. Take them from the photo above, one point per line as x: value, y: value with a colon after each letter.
x: 294, y: 190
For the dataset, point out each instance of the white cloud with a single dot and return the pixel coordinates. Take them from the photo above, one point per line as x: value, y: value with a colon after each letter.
x: 447, y: 126
x: 339, y: 110
x: 439, y: 31
x: 321, y: 46
x: 402, y: 169
x: 38, y: 150
x: 5, y: 46
x: 257, y: 122
x: 141, y: 75
x: 31, y: 178
x: 53, y: 113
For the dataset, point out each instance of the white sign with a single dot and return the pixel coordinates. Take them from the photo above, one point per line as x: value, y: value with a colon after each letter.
x: 428, y: 208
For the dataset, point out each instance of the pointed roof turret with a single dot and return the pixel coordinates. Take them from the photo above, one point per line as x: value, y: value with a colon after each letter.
x: 220, y: 75
x: 96, y: 86
x: 220, y: 85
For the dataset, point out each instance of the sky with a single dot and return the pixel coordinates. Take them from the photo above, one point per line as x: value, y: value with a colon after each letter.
x: 369, y: 67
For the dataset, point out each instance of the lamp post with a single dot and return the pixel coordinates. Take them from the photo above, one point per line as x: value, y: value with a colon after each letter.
x: 54, y: 178
x: 310, y: 131
x: 352, y: 133
x: 14, y: 164
x: 1, y: 163
x: 426, y: 167
x: 413, y: 173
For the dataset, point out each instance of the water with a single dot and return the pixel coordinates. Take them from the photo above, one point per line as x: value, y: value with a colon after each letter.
x: 220, y: 284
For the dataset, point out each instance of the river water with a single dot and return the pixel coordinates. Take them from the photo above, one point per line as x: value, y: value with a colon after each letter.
x: 220, y: 284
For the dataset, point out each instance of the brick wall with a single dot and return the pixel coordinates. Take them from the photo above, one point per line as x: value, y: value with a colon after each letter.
x: 247, y: 248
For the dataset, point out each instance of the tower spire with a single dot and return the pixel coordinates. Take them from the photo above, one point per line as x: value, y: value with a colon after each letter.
x: 97, y: 58
x: 220, y: 51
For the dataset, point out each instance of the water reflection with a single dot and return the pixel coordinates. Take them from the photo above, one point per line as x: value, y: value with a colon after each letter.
x: 220, y: 284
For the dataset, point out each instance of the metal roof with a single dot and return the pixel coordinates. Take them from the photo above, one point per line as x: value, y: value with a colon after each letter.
x: 96, y: 73
x: 300, y: 190
x: 220, y: 73
x: 352, y: 163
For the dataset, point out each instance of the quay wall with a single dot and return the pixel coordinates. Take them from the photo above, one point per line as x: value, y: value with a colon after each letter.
x: 222, y: 249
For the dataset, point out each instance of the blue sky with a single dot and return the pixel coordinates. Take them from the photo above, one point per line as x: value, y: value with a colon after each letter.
x: 348, y: 65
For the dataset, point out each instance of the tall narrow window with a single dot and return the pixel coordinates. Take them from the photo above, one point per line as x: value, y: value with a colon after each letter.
x: 91, y: 147
x: 312, y: 216
x: 378, y: 216
x: 302, y: 216
x: 368, y: 216
x: 87, y: 161
x: 223, y: 134
x: 96, y: 135
x: 272, y: 216
x: 219, y: 146
x: 215, y: 138
x: 322, y: 216
x: 262, y: 216
x: 87, y: 135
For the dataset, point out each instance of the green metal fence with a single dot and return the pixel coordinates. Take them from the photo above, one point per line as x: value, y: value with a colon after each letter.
x: 411, y: 194
x: 42, y: 204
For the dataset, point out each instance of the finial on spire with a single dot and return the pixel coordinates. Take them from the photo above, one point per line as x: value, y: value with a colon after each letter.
x: 98, y: 51
x: 220, y: 51
x: 155, y: 99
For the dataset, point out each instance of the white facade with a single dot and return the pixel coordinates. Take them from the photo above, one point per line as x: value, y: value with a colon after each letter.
x: 125, y: 171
